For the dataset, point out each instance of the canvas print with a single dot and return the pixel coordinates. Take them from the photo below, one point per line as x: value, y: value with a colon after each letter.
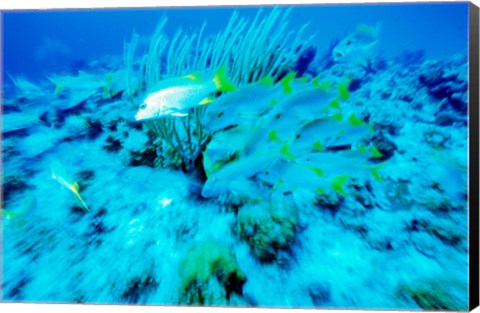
x: 310, y: 156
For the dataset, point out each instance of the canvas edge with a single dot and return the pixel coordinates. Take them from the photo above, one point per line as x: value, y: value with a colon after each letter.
x: 473, y: 156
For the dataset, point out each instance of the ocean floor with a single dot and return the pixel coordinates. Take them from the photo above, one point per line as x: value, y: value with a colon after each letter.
x: 144, y: 233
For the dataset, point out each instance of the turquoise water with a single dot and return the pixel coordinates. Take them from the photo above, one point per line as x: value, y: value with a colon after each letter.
x: 310, y: 157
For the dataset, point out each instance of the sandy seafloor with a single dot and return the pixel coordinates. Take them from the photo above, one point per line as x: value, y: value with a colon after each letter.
x: 401, y: 243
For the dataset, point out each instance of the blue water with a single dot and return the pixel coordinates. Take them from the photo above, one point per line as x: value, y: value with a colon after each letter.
x: 33, y: 39
x: 253, y: 173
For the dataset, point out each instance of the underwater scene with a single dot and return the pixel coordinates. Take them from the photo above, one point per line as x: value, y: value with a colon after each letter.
x: 299, y: 157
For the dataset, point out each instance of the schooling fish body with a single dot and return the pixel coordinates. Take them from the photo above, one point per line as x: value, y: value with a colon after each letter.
x: 221, y: 180
x: 246, y: 105
x: 358, y: 47
x: 331, y: 131
x: 348, y: 162
x: 289, y: 176
x: 175, y: 96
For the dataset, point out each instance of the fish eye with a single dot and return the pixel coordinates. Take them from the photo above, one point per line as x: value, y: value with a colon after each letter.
x: 142, y: 106
x: 348, y: 43
x: 219, y: 114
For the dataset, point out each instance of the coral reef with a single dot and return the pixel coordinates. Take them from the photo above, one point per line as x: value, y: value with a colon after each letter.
x: 432, y: 295
x: 445, y: 82
x: 210, y: 275
x: 269, y: 229
x: 309, y: 175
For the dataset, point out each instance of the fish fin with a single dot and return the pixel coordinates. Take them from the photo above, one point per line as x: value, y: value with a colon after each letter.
x: 320, y: 191
x: 7, y: 214
x: 286, y: 83
x: 287, y: 154
x: 272, y: 135
x: 335, y: 104
x: 58, y: 89
x: 318, y: 171
x: 317, y: 146
x: 179, y: 114
x: 374, y: 171
x: 216, y: 166
x: 109, y: 77
x: 267, y: 81
x: 207, y: 165
x: 371, y: 128
x: 375, y: 153
x: 273, y: 102
x: 362, y: 148
x: 323, y: 86
x: 373, y: 31
x: 337, y: 117
x: 194, y: 76
x: 344, y: 94
x: 207, y: 100
x: 85, y: 206
x: 355, y: 121
x: 278, y: 184
x: 363, y: 62
x: 338, y: 184
x: 221, y: 80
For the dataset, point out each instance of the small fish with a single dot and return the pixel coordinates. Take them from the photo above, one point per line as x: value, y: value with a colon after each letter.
x: 27, y: 88
x: 226, y: 145
x: 115, y: 83
x: 245, y: 105
x: 84, y: 81
x: 219, y: 181
x: 307, y: 101
x: 348, y: 162
x: 21, y: 120
x: 59, y: 174
x: 358, y: 47
x: 28, y: 203
x: 304, y: 104
x: 289, y: 176
x: 175, y: 96
x: 331, y: 131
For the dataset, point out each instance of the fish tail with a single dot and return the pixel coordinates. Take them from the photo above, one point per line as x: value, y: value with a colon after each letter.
x: 286, y: 82
x: 344, y: 94
x: 286, y: 153
x: 222, y: 81
x: 58, y: 86
x: 267, y: 81
x: 338, y: 184
x: 7, y: 214
x: 85, y: 206
x: 75, y: 188
x: 375, y: 153
x: 374, y: 170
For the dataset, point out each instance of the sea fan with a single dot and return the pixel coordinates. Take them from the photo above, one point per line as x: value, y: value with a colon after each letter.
x: 250, y: 50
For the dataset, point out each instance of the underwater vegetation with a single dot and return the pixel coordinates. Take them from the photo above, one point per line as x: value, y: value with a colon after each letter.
x: 240, y: 168
x: 248, y: 50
